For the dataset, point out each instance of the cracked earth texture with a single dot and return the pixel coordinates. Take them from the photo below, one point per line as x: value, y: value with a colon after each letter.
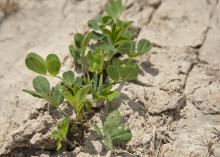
x: 173, y: 109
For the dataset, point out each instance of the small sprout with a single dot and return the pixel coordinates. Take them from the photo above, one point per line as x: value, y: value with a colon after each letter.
x: 114, y: 131
x: 77, y: 100
x: 61, y: 131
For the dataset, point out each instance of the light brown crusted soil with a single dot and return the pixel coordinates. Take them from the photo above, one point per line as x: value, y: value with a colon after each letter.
x: 173, y: 109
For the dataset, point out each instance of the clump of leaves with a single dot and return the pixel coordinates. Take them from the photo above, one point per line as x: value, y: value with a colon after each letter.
x: 113, y: 131
x: 106, y: 56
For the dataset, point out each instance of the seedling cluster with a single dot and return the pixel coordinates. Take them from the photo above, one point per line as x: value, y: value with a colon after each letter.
x: 106, y: 56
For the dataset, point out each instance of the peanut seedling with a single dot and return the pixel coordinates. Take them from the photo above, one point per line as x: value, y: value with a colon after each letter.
x: 99, y: 54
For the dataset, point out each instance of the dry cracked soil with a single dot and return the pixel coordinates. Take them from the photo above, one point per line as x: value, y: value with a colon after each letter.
x: 173, y: 109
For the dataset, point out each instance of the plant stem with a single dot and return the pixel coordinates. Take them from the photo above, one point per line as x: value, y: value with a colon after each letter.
x: 85, y: 43
x: 100, y: 83
x: 95, y: 81
x: 58, y: 77
x: 113, y: 83
x: 63, y: 112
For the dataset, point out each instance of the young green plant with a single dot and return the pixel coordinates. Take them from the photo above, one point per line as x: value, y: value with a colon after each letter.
x: 106, y: 56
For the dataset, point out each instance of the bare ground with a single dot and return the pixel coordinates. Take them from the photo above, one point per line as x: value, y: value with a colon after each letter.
x: 174, y: 107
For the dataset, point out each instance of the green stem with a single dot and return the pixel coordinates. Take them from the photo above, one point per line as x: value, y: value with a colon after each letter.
x: 63, y: 112
x: 100, y: 83
x: 95, y: 81
x: 113, y: 83
x: 58, y: 77
x: 85, y: 44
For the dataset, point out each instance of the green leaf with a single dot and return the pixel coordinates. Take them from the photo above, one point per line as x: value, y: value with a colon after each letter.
x: 33, y: 93
x: 96, y: 128
x: 77, y: 100
x: 120, y: 32
x: 90, y: 58
x: 53, y: 64
x: 87, y: 39
x: 95, y: 61
x: 123, y: 70
x: 93, y: 24
x: 114, y: 131
x: 143, y: 46
x: 76, y: 53
x: 97, y: 36
x: 113, y: 95
x: 57, y: 95
x: 129, y: 71
x: 61, y: 132
x: 35, y: 63
x: 121, y: 135
x: 114, y: 8
x: 108, y: 143
x: 41, y: 85
x: 69, y: 78
x: 126, y: 47
x: 100, y: 22
x: 68, y: 96
x: 106, y: 89
x: 78, y: 39
x: 77, y: 84
x: 107, y: 20
x: 113, y: 70
x: 81, y: 94
x: 113, y: 120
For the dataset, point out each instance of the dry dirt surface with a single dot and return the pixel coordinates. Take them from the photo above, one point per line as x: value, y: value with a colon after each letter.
x: 173, y: 109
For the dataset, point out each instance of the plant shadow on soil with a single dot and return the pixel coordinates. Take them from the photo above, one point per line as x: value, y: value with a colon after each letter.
x: 147, y: 67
